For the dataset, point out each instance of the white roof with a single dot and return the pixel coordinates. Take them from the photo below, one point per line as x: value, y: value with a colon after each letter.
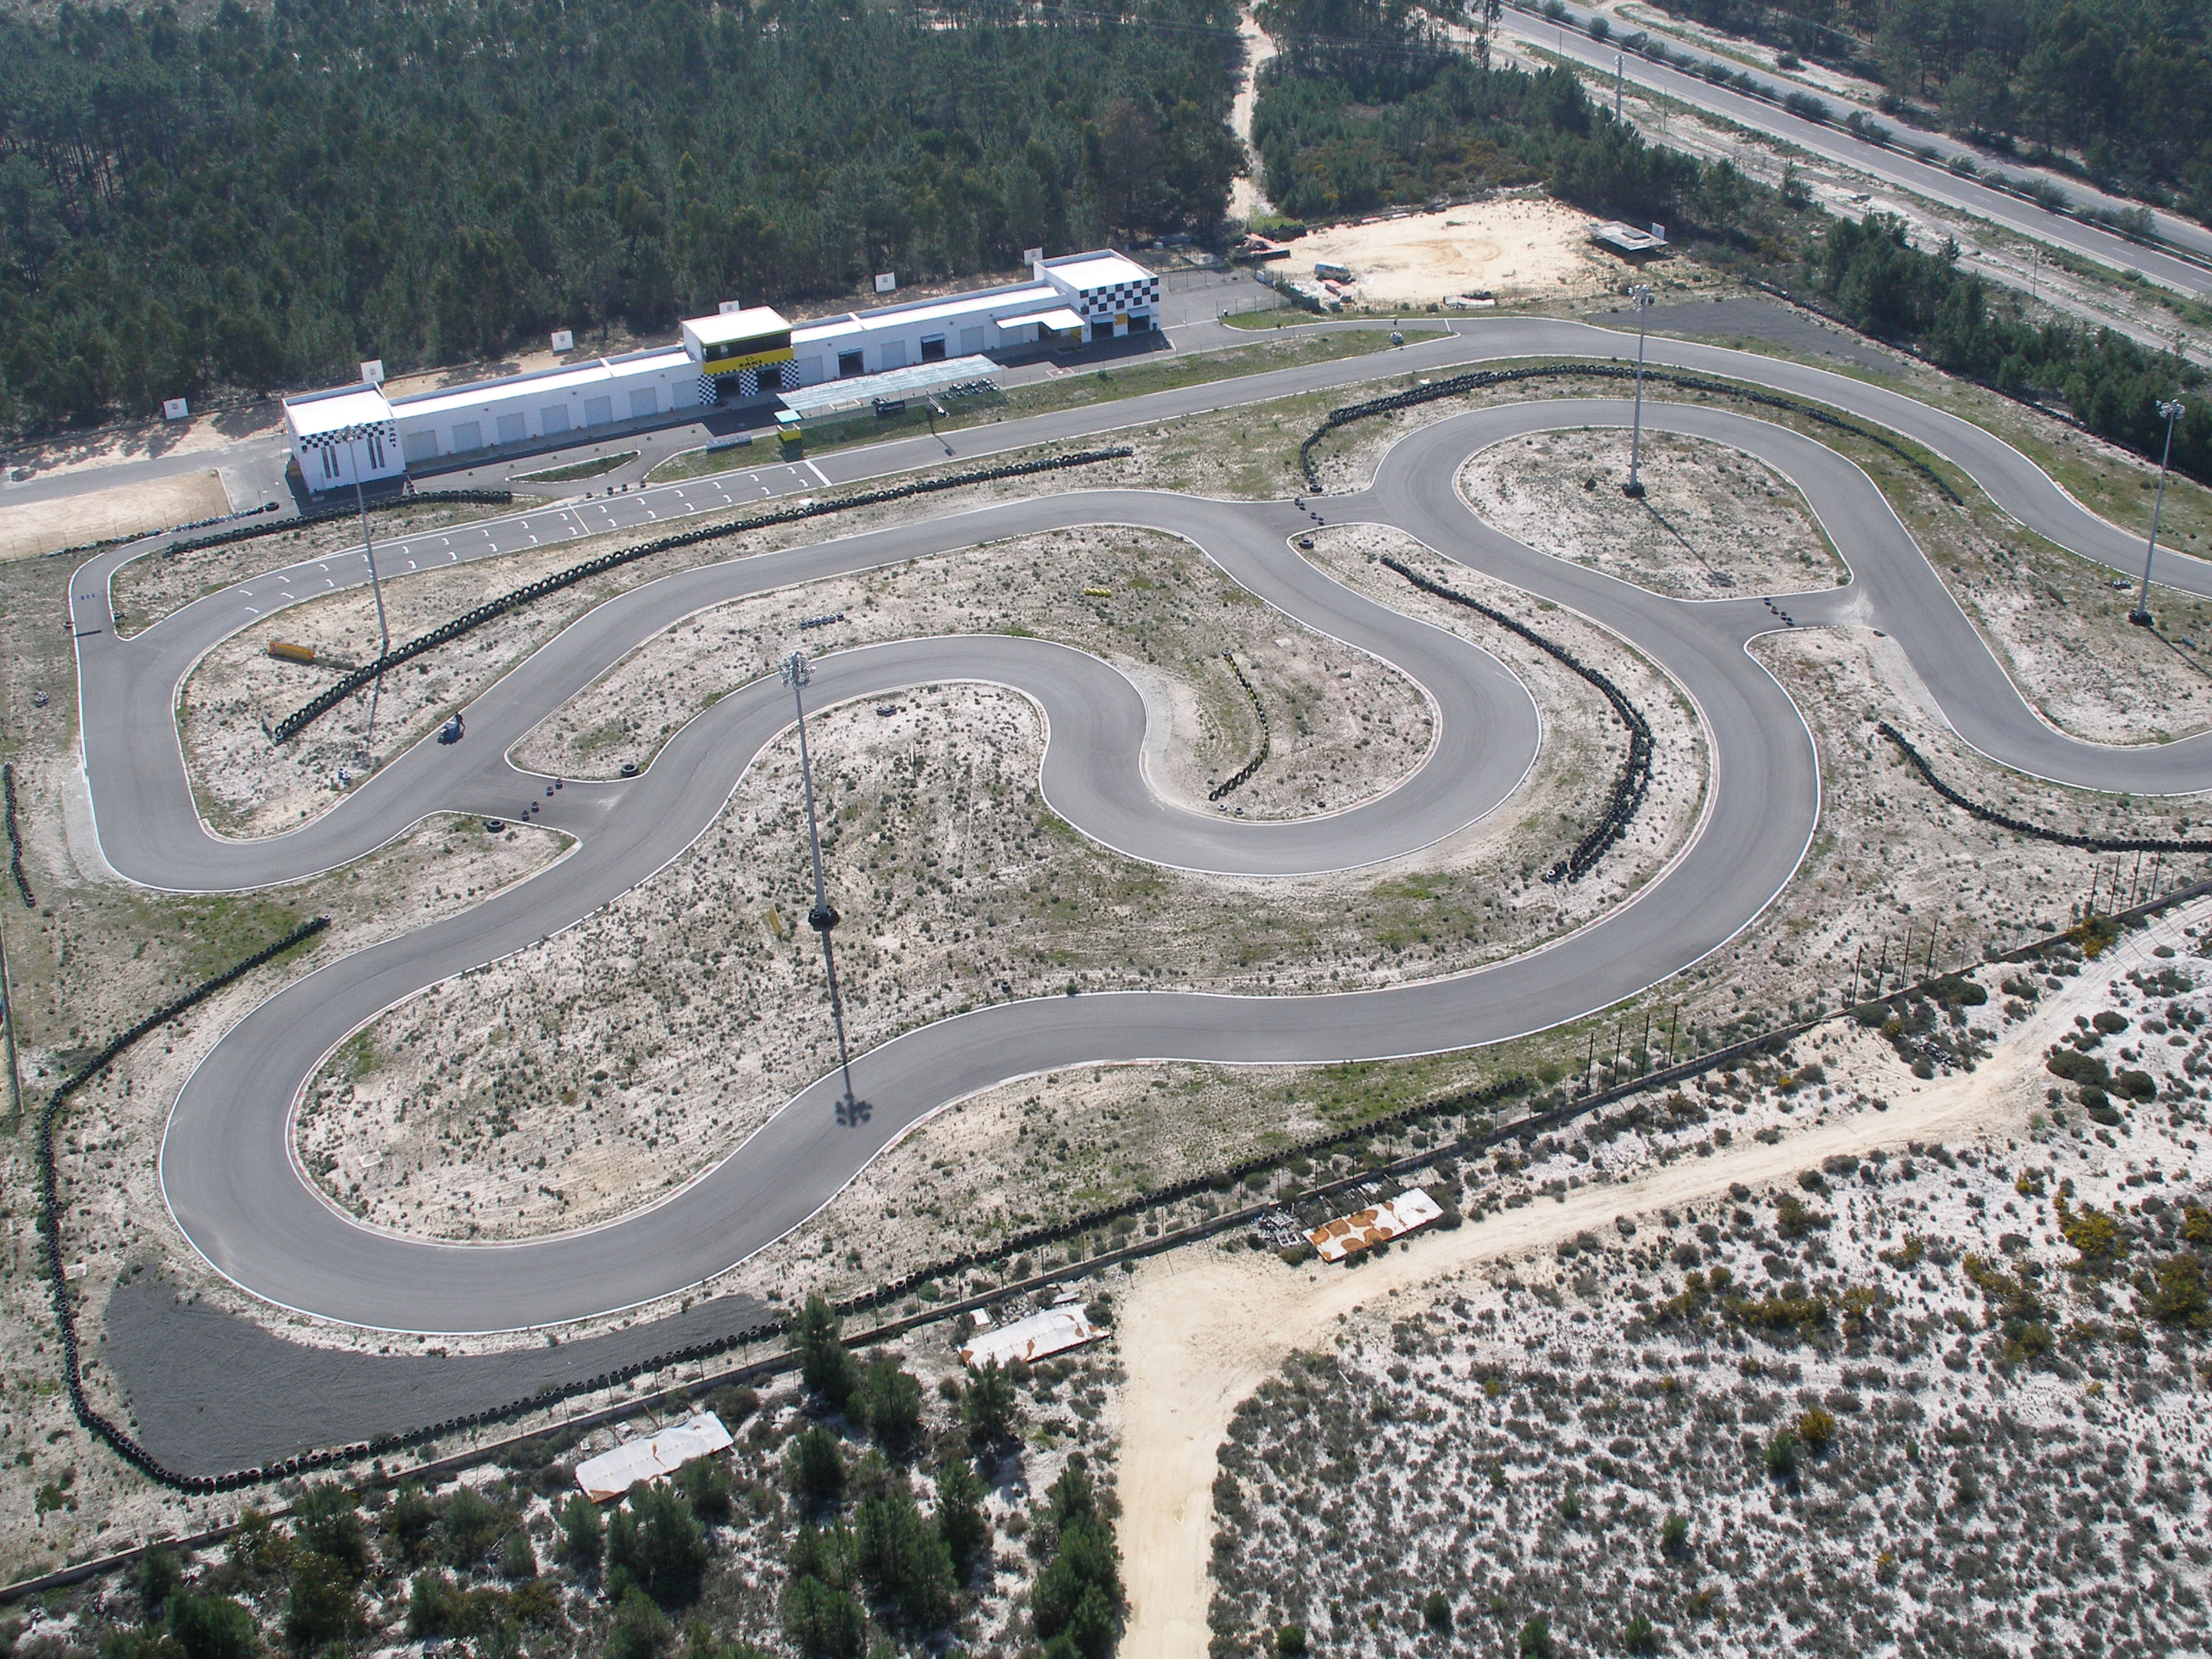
x: 1626, y: 237
x: 1056, y: 317
x: 987, y: 303
x: 858, y: 389
x: 1053, y: 1331
x: 332, y: 412
x: 1096, y: 271
x: 747, y: 325
x: 1349, y: 1235
x: 572, y: 377
x: 611, y: 1473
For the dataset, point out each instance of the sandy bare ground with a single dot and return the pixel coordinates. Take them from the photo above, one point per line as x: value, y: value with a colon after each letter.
x: 1713, y: 521
x: 1518, y: 248
x: 1343, y: 726
x: 490, y: 1108
x: 1245, y: 196
x: 1201, y: 1329
x: 144, y: 439
x: 99, y: 515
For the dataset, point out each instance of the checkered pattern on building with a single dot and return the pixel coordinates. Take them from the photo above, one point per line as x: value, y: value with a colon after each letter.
x: 341, y: 440
x: 1122, y: 297
x: 783, y: 377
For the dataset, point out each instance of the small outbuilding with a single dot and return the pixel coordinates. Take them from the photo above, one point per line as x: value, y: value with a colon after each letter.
x: 1363, y: 1230
x: 1038, y: 1337
x: 655, y: 1457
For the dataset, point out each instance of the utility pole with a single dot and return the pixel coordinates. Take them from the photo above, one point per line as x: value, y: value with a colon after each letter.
x: 1640, y: 297
x: 1616, y: 86
x: 821, y: 917
x: 2141, y: 615
x: 355, y: 435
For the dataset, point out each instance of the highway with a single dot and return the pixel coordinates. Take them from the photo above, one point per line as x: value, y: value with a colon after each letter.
x: 226, y: 1168
x: 2185, y: 265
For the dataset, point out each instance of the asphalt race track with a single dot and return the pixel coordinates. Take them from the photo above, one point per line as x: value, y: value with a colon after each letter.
x: 226, y: 1165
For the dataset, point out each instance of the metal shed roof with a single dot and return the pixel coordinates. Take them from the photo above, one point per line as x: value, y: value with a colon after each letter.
x: 863, y: 389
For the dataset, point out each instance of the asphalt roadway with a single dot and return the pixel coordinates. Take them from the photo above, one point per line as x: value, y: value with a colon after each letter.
x: 2185, y: 263
x: 226, y: 1168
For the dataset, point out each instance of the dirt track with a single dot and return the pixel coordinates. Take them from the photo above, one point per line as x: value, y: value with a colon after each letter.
x: 39, y: 527
x: 1200, y: 1330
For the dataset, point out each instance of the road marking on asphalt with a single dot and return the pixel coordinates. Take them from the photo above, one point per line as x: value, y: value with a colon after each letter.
x: 817, y: 472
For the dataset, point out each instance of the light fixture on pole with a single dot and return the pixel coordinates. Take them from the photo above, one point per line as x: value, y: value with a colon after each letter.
x: 2141, y: 615
x: 357, y: 434
x: 822, y: 917
x: 1640, y: 297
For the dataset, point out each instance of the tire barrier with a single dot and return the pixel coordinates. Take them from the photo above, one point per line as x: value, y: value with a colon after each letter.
x: 15, y: 838
x: 1475, y: 381
x: 1252, y: 766
x: 95, y: 1422
x: 293, y: 723
x: 428, y: 497
x: 1634, y: 782
x: 2021, y: 827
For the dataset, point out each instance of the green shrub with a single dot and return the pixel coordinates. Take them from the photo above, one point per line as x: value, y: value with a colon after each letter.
x: 1816, y: 1427
x: 1291, y: 1639
x: 902, y: 1558
x: 989, y: 1410
x: 814, y: 1466
x: 826, y: 1620
x: 640, y: 1630
x: 657, y: 1545
x: 961, y: 1520
x: 1437, y: 1610
x: 1536, y: 1639
x: 825, y: 1366
x: 1674, y: 1535
x: 888, y: 1403
x: 583, y: 1539
x: 2137, y: 1085
x: 1640, y: 1636
x: 1781, y: 1454
x: 2077, y: 1067
x: 211, y: 1627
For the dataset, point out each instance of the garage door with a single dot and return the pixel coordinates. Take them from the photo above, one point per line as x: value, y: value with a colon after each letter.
x: 972, y: 342
x: 644, y: 403
x: 419, y: 445
x: 894, y: 354
x: 597, y: 411
x: 467, y: 435
x: 512, y: 430
x: 553, y: 418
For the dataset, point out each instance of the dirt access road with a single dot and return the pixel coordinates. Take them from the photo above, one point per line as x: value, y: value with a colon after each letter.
x: 1201, y: 1330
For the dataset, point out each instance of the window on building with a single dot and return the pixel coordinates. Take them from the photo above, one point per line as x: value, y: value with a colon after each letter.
x: 330, y: 462
x: 376, y: 452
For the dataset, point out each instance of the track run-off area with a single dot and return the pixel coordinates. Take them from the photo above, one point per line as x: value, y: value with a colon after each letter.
x: 227, y: 1169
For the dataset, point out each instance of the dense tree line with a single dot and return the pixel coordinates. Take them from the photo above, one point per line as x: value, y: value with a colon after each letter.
x: 1880, y: 284
x: 1361, y: 110
x: 2123, y: 83
x: 266, y: 198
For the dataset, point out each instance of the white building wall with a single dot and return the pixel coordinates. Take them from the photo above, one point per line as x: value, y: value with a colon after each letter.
x: 557, y: 403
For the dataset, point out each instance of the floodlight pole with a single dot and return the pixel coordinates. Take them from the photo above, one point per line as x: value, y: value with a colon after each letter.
x: 1640, y: 297
x: 354, y: 435
x: 2141, y: 615
x: 822, y: 917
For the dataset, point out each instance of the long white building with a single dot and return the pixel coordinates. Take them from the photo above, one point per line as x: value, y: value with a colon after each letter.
x: 736, y: 355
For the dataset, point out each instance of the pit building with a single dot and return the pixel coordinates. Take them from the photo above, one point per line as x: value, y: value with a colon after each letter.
x: 736, y: 355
